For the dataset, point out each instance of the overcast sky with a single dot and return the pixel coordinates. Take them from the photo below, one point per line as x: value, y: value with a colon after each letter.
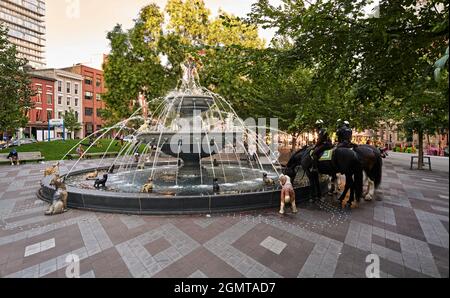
x: 77, y: 33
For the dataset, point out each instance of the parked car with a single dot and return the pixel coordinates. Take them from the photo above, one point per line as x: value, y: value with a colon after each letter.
x: 446, y: 151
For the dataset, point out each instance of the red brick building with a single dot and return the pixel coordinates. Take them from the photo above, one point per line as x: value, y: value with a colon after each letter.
x: 44, y: 106
x: 93, y: 88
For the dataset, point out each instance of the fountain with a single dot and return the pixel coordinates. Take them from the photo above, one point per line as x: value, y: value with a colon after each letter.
x: 190, y: 155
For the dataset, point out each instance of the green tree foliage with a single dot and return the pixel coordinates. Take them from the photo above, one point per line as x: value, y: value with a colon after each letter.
x: 376, y: 67
x: 15, y: 90
x: 147, y: 57
x: 71, y: 122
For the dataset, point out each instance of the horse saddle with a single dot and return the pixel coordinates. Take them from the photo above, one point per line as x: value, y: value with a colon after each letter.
x: 327, y: 155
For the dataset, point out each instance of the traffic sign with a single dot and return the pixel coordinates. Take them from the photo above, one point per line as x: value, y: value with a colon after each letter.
x: 56, y: 122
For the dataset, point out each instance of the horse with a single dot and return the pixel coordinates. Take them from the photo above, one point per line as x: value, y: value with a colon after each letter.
x: 343, y: 160
x: 372, y: 162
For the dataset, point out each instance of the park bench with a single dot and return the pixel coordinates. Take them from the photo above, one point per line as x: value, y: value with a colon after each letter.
x: 427, y: 162
x: 93, y: 155
x: 24, y: 157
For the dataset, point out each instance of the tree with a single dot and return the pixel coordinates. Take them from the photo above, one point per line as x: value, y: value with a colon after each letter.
x: 15, y: 87
x: 147, y: 57
x: 385, y: 62
x: 71, y: 122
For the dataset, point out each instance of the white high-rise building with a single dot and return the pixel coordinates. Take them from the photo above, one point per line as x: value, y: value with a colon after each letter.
x: 25, y: 21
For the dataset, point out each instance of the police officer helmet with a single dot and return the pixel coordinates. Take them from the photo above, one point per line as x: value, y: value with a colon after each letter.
x: 347, y: 124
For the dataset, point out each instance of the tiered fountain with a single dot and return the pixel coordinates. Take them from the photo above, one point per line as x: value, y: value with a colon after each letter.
x: 194, y: 149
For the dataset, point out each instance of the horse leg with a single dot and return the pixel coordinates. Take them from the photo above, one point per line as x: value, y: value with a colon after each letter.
x: 351, y: 186
x: 366, y: 182
x: 317, y: 186
x: 348, y: 185
x: 333, y: 184
x: 337, y: 184
x: 370, y: 191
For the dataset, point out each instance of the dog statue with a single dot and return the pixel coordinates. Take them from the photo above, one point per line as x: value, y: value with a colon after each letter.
x: 148, y: 187
x: 53, y: 170
x: 60, y: 196
x: 101, y: 182
x: 92, y: 176
x: 216, y: 186
x: 268, y: 181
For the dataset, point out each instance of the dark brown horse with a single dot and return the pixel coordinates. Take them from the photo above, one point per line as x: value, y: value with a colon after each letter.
x: 344, y: 161
x: 372, y: 162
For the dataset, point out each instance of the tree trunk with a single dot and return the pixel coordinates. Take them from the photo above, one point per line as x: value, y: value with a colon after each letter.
x: 294, y: 141
x: 421, y: 153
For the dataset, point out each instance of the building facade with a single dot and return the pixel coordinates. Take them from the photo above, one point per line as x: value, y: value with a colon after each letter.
x: 25, y: 21
x: 44, y: 107
x: 68, y: 96
x: 93, y: 88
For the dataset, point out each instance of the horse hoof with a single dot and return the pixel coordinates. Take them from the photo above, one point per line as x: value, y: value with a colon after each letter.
x: 368, y: 198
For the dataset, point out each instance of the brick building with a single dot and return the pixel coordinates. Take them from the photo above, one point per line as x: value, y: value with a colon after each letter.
x: 93, y: 87
x: 44, y: 106
x: 68, y: 94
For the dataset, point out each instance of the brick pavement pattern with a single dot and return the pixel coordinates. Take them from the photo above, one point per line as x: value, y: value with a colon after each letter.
x: 407, y: 227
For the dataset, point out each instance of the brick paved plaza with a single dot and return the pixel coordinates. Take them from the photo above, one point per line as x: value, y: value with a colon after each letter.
x: 407, y: 227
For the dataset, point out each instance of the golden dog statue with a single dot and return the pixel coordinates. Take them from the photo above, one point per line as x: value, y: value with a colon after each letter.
x: 53, y: 170
x: 148, y: 187
x: 60, y: 196
x: 92, y: 176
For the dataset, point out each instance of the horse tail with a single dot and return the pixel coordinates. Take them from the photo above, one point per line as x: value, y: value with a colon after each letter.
x: 376, y: 173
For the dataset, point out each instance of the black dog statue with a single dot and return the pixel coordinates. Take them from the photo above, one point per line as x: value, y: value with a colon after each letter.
x: 216, y: 186
x: 101, y: 182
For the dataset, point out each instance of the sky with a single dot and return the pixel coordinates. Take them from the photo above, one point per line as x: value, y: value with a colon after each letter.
x: 76, y: 29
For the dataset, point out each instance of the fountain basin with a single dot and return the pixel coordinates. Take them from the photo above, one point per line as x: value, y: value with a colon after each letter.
x: 157, y: 204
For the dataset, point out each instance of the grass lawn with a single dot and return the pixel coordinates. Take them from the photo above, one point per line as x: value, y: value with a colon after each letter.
x: 57, y: 149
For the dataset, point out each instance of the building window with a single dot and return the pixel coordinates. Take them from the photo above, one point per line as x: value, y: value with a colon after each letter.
x: 76, y: 86
x: 59, y: 99
x: 89, y: 128
x: 39, y: 94
x: 60, y: 115
x: 98, y: 83
x: 88, y: 111
x: 76, y: 116
x: 76, y: 102
x: 69, y: 87
x: 88, y: 81
x: 38, y: 115
x: 68, y: 100
x: 49, y: 115
x: 49, y: 99
x: 88, y: 95
x: 98, y: 96
x: 59, y: 86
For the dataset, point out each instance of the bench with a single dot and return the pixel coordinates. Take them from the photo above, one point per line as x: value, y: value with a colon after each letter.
x: 428, y: 162
x: 93, y: 155
x: 24, y: 157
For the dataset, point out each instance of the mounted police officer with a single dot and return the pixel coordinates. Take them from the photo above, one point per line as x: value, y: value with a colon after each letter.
x: 323, y: 143
x: 344, y: 134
